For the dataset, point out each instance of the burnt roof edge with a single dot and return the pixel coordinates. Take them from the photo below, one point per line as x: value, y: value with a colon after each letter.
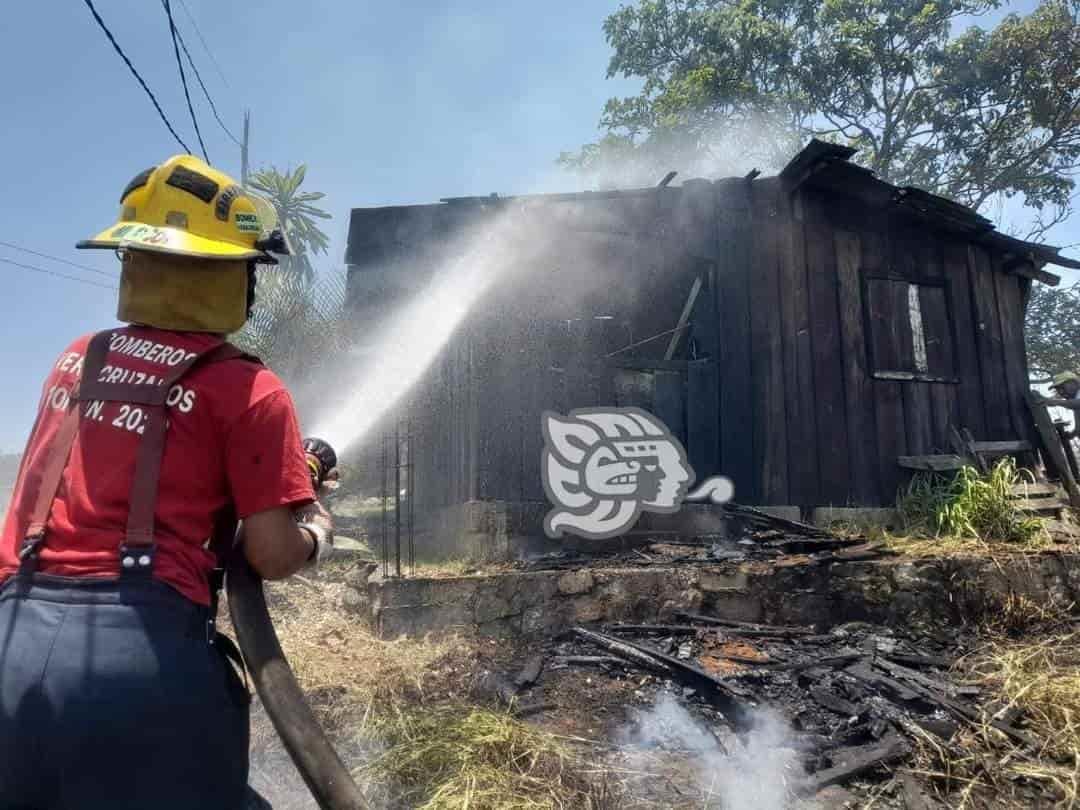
x: 811, y: 165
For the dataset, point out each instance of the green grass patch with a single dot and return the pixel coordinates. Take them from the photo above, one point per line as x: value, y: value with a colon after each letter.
x: 969, y: 506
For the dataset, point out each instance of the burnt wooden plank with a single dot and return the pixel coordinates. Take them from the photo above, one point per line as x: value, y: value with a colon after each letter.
x: 433, y: 437
x: 935, y: 463
x: 767, y: 362
x: 733, y: 305
x: 995, y: 385
x: 886, y: 352
x: 532, y: 440
x: 455, y: 428
x: 1052, y: 447
x: 603, y: 386
x: 969, y: 409
x: 908, y: 248
x: 453, y: 440
x: 1011, y: 313
x: 669, y: 401
x: 858, y: 386
x: 1003, y: 448
x: 849, y: 763
x: 702, y: 401
x: 802, y: 451
x: 834, y: 471
x: 470, y: 403
x: 886, y: 397
x: 938, y: 324
x: 1033, y: 490
x: 1038, y: 504
x: 497, y: 479
x: 702, y: 422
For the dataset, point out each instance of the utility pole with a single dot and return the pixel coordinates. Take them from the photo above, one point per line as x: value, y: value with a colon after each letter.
x: 244, y: 149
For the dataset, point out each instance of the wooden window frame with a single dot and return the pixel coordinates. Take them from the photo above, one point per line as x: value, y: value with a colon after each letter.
x: 868, y: 335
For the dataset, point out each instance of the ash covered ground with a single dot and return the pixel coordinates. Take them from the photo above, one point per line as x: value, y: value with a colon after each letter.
x: 696, y: 713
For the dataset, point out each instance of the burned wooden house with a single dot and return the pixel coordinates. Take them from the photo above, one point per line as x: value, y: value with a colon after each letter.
x: 805, y: 335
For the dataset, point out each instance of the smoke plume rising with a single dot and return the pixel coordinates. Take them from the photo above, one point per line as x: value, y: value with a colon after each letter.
x: 754, y: 771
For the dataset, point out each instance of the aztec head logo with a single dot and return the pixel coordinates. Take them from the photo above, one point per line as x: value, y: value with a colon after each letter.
x: 603, y: 467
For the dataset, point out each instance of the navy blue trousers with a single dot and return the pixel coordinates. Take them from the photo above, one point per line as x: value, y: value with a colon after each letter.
x: 111, y: 697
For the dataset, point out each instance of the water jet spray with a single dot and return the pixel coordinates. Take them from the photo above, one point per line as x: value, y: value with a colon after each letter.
x: 414, y: 337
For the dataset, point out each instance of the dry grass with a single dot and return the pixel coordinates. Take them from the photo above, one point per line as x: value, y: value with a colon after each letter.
x: 453, y: 757
x: 1031, y: 684
x: 918, y: 544
x: 402, y: 708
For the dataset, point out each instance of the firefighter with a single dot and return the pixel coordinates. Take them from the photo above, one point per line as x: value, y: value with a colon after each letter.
x: 115, y: 688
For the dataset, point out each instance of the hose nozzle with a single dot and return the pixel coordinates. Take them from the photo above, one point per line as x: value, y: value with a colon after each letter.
x: 322, y: 461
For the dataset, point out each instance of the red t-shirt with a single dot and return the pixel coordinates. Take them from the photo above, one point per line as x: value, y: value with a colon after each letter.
x: 232, y: 435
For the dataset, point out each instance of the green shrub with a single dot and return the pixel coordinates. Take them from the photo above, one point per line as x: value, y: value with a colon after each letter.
x: 969, y: 504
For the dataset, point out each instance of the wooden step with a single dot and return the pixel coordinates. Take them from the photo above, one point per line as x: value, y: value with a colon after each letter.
x: 1001, y: 448
x: 1034, y: 490
x: 941, y: 463
x: 1044, y: 505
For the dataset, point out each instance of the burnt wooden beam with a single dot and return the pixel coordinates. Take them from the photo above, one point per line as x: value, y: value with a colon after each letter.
x: 1038, y: 504
x: 849, y: 763
x: 627, y: 652
x: 1027, y: 267
x: 793, y: 526
x: 810, y: 160
x: 724, y: 695
x: 1033, y: 490
x: 937, y: 463
x: 1002, y: 448
x: 1051, y: 442
x: 684, y: 319
x: 923, y: 688
x: 774, y: 629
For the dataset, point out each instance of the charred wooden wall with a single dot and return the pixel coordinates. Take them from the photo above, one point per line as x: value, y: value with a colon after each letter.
x: 806, y: 379
x: 804, y: 334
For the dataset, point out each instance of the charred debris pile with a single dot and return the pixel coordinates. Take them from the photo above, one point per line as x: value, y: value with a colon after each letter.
x: 860, y: 703
x: 750, y: 534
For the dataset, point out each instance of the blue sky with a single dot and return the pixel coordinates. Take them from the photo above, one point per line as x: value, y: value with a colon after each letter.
x: 385, y: 102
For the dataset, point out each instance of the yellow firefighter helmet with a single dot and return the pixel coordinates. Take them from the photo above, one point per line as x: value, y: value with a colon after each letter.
x: 186, y: 208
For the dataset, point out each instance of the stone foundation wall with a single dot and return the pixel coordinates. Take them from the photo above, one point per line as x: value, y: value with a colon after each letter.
x: 892, y: 590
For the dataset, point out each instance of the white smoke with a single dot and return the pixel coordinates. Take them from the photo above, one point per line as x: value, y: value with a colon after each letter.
x: 730, y: 148
x: 751, y: 771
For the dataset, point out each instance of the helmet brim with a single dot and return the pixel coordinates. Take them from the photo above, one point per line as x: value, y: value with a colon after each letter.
x: 171, y: 241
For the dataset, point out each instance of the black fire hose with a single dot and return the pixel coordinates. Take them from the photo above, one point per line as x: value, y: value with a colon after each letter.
x: 323, y: 771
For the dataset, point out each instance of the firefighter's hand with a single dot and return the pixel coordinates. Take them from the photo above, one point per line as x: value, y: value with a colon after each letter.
x: 318, y: 522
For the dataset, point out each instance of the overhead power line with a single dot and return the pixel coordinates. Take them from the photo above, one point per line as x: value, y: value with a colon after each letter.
x: 86, y: 267
x: 198, y: 76
x: 135, y: 73
x: 206, y: 47
x: 183, y: 79
x: 58, y: 275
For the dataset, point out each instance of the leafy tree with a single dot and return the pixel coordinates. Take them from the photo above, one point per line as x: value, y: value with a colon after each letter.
x: 1052, y: 330
x: 981, y: 115
x: 296, y: 214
